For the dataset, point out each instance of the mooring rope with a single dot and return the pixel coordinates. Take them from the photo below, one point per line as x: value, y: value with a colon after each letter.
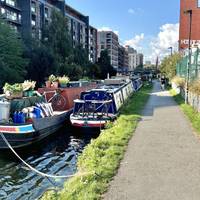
x: 37, y: 171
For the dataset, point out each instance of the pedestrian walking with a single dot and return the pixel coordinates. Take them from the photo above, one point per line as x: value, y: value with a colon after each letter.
x: 163, y: 82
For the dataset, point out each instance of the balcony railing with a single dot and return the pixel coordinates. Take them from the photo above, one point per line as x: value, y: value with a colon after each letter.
x: 11, y: 4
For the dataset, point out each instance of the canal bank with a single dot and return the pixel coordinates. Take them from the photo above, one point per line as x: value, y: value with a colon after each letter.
x: 101, y: 158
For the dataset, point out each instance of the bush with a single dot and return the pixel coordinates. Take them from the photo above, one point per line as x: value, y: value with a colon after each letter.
x: 179, y: 81
x: 195, y: 87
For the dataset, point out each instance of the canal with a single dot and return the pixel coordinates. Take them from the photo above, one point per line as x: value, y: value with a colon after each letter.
x: 56, y: 155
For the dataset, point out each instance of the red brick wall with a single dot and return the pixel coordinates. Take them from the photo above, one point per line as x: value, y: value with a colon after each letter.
x: 184, y: 23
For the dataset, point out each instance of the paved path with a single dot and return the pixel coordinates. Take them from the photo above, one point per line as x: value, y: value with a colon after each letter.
x: 163, y: 158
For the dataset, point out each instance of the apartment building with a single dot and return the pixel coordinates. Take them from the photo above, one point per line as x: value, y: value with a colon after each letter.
x: 109, y: 40
x: 10, y: 10
x: 93, y: 44
x: 79, y: 27
x: 134, y: 59
x: 29, y: 17
x: 122, y: 59
x: 140, y: 59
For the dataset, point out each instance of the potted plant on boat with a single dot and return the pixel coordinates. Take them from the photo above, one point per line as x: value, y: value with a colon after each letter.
x: 28, y: 88
x: 63, y: 81
x: 13, y: 91
x: 52, y: 81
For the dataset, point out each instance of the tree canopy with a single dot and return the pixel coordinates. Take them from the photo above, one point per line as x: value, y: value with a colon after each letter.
x: 168, y: 65
x: 12, y: 63
x: 41, y: 63
x: 105, y: 65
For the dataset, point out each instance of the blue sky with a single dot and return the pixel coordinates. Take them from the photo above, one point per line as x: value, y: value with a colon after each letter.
x: 141, y: 23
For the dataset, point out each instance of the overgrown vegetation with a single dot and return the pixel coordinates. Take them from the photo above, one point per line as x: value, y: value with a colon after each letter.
x: 190, y: 112
x: 102, y: 157
x: 168, y: 65
x: 195, y: 87
x: 179, y: 81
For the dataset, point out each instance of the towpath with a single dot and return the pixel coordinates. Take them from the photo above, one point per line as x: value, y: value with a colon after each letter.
x: 162, y: 161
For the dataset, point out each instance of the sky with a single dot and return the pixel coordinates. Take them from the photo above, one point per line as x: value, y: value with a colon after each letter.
x: 149, y: 26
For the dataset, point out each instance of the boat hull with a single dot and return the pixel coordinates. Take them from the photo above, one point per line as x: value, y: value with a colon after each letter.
x: 23, y: 135
x: 90, y: 123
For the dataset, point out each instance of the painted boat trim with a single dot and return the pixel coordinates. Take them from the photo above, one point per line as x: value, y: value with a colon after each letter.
x: 17, y: 129
x: 82, y: 123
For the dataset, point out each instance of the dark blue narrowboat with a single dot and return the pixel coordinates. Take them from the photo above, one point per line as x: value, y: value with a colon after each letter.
x: 98, y: 106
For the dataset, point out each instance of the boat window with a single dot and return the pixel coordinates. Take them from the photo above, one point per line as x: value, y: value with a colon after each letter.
x: 120, y: 97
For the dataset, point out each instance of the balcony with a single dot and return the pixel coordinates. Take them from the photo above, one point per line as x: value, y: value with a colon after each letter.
x: 12, y: 17
x: 11, y: 4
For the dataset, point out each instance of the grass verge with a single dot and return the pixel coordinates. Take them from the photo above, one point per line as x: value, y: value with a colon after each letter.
x: 103, y: 155
x: 189, y: 111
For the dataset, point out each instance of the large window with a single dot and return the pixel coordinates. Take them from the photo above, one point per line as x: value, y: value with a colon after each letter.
x: 11, y: 2
x: 198, y: 3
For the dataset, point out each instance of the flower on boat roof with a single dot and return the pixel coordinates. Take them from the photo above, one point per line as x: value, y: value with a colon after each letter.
x: 52, y: 78
x: 28, y: 85
x: 64, y: 79
x: 17, y: 87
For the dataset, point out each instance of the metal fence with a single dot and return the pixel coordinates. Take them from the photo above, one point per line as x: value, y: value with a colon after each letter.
x: 194, y: 68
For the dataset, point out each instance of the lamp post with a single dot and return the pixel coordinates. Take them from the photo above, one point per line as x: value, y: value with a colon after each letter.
x: 189, y: 55
x: 171, y: 48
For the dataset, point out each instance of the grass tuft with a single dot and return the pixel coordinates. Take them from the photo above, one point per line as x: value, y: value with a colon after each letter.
x: 190, y: 112
x: 103, y: 155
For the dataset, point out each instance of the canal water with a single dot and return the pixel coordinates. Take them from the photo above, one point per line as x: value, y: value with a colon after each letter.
x: 56, y: 155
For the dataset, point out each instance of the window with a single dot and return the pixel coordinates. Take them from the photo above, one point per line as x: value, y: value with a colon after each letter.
x: 11, y: 15
x: 11, y: 2
x: 3, y: 11
x: 198, y: 3
x: 33, y: 22
x: 33, y: 7
x: 46, y: 13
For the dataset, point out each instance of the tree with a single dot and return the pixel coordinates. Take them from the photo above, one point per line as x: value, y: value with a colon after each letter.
x: 93, y: 71
x: 168, y: 65
x: 42, y: 63
x: 75, y: 72
x: 12, y: 63
x: 57, y: 37
x: 80, y: 55
x: 105, y: 66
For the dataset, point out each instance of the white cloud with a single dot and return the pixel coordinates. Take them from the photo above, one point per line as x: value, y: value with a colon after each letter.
x: 167, y: 37
x: 135, y: 42
x: 104, y: 28
x: 135, y: 11
x: 131, y: 11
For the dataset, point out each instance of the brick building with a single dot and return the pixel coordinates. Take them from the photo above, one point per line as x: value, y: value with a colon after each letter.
x: 193, y: 5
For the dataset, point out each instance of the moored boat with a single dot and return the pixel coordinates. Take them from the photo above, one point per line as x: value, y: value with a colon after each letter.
x: 97, y: 107
x: 24, y: 132
x: 21, y: 135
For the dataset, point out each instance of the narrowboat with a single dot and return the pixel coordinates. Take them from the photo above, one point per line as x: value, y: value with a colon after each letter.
x: 98, y: 106
x: 22, y: 132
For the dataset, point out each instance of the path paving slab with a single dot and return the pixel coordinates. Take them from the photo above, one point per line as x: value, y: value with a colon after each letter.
x: 162, y: 161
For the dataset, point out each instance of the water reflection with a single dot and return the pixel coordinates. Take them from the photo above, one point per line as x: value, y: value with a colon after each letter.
x: 56, y: 155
